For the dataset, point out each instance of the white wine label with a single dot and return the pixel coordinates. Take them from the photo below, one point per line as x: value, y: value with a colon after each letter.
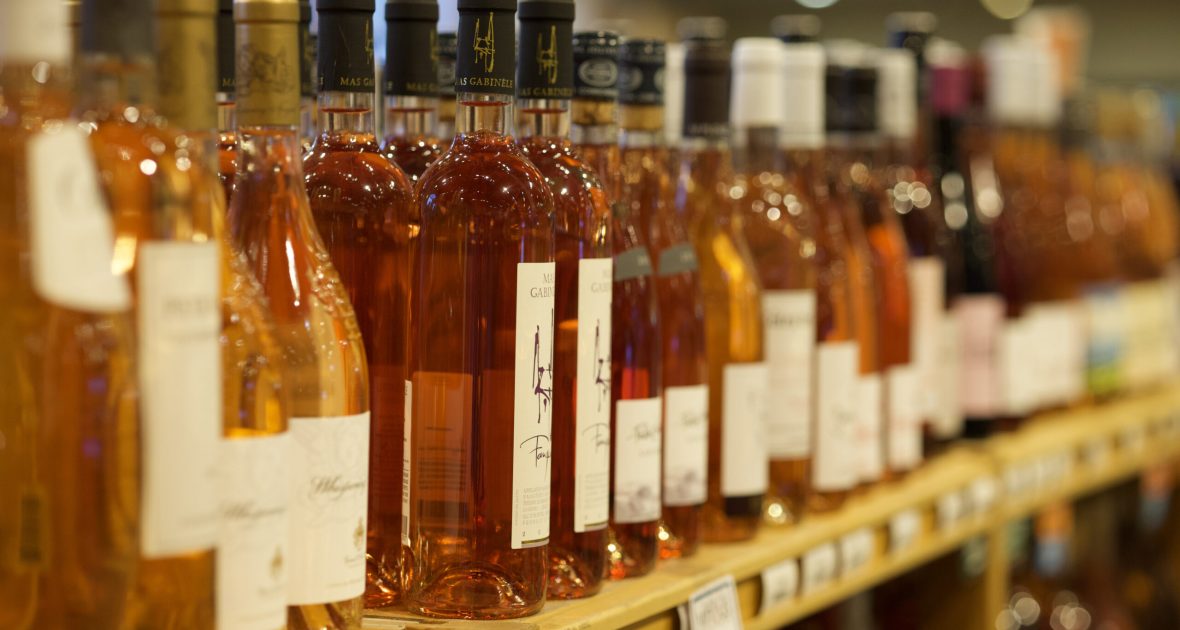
x: 927, y: 295
x: 533, y: 409
x: 905, y: 426
x: 870, y: 434
x: 686, y: 444
x: 252, y: 551
x: 72, y: 240
x: 745, y: 469
x: 407, y: 427
x: 834, y: 463
x: 592, y: 455
x: 637, y: 460
x: 981, y: 322
x: 180, y: 395
x: 1019, y: 366
x: 948, y: 379
x: 789, y: 318
x: 329, y: 506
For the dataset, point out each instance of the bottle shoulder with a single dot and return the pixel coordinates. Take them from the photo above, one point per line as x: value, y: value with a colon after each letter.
x: 480, y: 174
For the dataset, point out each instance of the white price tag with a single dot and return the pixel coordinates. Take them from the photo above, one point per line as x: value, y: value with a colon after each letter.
x: 780, y: 582
x: 1019, y: 478
x: 903, y: 530
x: 715, y: 606
x: 983, y: 495
x: 819, y: 568
x: 950, y: 509
x: 856, y: 549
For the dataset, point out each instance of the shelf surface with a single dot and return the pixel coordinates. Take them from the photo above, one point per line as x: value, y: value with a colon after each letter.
x: 888, y: 530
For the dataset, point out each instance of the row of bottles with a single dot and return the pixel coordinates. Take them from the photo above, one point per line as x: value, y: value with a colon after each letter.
x: 522, y: 345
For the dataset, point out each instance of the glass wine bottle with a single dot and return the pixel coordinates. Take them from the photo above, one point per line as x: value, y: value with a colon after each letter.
x: 482, y: 349
x: 582, y: 384
x: 595, y: 130
x: 68, y: 409
x: 738, y: 466
x: 411, y: 85
x: 163, y: 228
x: 253, y: 461
x: 362, y: 204
x: 646, y: 197
x: 776, y: 222
x: 323, y: 359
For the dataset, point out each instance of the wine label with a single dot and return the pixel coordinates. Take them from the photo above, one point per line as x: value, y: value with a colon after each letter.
x: 870, y: 433
x: 1019, y: 366
x: 641, y: 73
x: 407, y: 460
x: 745, y: 468
x: 545, y: 66
x: 71, y: 237
x: 789, y: 325
x: 633, y: 263
x: 180, y: 395
x: 927, y: 295
x: 252, y: 551
x: 448, y: 51
x: 981, y: 322
x: 592, y: 455
x: 411, y: 49
x: 225, y: 48
x: 486, y: 55
x: 1104, y: 344
x: 905, y: 425
x: 677, y: 259
x: 329, y: 504
x: 637, y: 460
x: 346, y: 51
x: 596, y: 69
x: 533, y: 408
x: 834, y: 460
x: 948, y: 379
x: 686, y: 444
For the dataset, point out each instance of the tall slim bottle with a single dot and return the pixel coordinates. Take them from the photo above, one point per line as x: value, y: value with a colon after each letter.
x: 163, y: 223
x: 68, y: 474
x: 738, y: 466
x: 253, y: 461
x: 582, y: 383
x: 227, y: 122
x: 777, y: 223
x: 448, y: 50
x: 323, y: 358
x: 834, y: 469
x: 646, y: 197
x: 482, y: 350
x: 363, y: 209
x: 844, y: 167
x: 411, y: 85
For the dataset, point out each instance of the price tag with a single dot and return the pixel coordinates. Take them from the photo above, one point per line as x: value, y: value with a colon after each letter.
x: 950, y: 509
x: 1020, y: 478
x: 856, y: 548
x: 983, y: 493
x: 715, y: 606
x: 780, y: 582
x: 819, y: 568
x: 903, y: 529
x: 1096, y: 453
x: 1134, y: 439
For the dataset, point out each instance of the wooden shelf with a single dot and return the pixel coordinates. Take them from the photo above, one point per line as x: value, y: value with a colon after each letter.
x: 970, y: 492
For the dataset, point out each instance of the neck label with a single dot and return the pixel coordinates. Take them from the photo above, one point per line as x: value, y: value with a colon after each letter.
x: 346, y: 51
x: 486, y: 52
x: 546, y: 68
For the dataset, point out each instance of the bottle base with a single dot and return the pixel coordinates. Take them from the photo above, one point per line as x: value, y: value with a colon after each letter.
x: 475, y: 592
x: 570, y: 577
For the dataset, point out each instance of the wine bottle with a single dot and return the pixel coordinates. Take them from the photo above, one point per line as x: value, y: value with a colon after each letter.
x: 647, y: 201
x: 777, y: 224
x: 732, y: 294
x: 582, y: 383
x: 324, y: 367
x: 69, y: 477
x: 411, y: 85
x: 482, y: 350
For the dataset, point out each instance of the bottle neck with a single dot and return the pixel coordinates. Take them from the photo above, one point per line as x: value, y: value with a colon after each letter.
x: 345, y: 112
x: 594, y: 123
x: 410, y: 116
x: 642, y: 126
x: 483, y: 114
x: 116, y: 87
x: 543, y: 118
x: 227, y: 112
x: 269, y: 152
x: 756, y: 149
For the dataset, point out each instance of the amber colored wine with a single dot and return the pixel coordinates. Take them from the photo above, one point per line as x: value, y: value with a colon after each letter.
x: 68, y: 477
x: 324, y: 368
x: 738, y: 467
x: 482, y: 351
x: 647, y: 194
x: 411, y: 86
x: 163, y: 225
x: 777, y: 223
x: 252, y: 463
x: 363, y: 209
x: 584, y: 409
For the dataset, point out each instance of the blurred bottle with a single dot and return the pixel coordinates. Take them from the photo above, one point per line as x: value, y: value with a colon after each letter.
x: 411, y: 86
x: 801, y: 28
x: 227, y: 120
x: 447, y: 56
